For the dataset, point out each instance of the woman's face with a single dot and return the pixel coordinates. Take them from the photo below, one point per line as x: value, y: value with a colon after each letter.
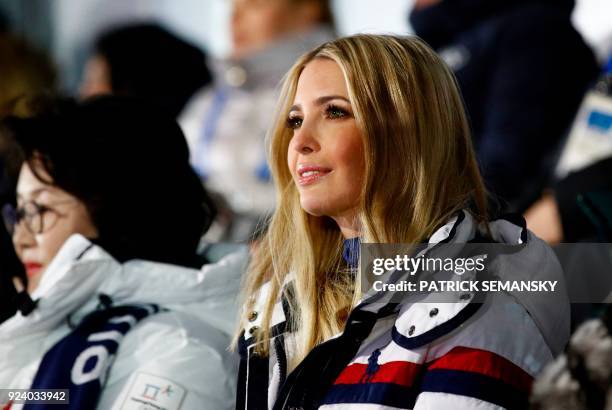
x: 51, y: 217
x: 326, y: 155
x: 257, y: 23
x: 96, y: 78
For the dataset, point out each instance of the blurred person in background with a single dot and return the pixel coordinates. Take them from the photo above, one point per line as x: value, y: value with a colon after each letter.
x: 24, y: 71
x: 148, y: 62
x: 578, y: 204
x: 563, y: 214
x: 523, y: 70
x: 225, y: 124
x: 108, y: 209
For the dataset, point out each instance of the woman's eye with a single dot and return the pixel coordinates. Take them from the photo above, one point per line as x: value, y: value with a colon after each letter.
x: 334, y: 112
x: 294, y: 122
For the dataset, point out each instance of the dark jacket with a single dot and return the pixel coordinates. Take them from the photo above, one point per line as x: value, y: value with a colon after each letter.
x: 522, y: 69
x: 583, y: 198
x: 9, y: 264
x: 8, y: 269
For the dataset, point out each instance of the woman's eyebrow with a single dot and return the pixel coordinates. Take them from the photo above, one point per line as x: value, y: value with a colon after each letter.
x: 327, y: 98
x: 320, y: 101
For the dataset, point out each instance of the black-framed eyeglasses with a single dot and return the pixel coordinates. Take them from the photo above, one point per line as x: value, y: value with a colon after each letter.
x: 32, y: 215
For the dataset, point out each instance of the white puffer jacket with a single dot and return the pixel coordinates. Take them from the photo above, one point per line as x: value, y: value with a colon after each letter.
x: 421, y: 351
x: 185, y: 347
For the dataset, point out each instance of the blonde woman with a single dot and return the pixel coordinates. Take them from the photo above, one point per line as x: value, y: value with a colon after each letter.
x: 371, y: 144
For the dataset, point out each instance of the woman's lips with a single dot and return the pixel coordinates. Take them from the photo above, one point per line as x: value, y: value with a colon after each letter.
x: 32, y: 268
x: 310, y: 174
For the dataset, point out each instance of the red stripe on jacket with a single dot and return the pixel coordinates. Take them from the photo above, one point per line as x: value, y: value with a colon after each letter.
x: 486, y: 363
x: 399, y: 372
x: 459, y: 358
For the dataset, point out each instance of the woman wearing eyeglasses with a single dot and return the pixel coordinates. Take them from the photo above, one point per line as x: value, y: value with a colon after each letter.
x: 108, y: 217
x: 46, y: 216
x: 371, y: 144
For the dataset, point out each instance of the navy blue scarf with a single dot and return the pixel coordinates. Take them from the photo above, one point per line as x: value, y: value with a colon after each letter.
x: 350, y: 252
x: 80, y: 362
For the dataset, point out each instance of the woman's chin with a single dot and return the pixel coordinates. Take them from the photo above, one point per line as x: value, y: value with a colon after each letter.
x: 314, y: 209
x: 34, y: 279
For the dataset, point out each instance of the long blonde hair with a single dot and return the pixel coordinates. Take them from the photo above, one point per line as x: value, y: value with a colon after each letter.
x: 420, y: 170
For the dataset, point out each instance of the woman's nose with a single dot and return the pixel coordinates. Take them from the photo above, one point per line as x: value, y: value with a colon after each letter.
x: 305, y: 141
x: 22, y: 238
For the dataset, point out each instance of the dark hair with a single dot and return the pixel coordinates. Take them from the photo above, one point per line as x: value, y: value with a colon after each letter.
x: 129, y: 164
x: 149, y: 62
x: 3, y: 24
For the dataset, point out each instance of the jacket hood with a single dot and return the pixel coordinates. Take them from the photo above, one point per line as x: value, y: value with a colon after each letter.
x: 528, y: 258
x: 534, y: 261
x: 437, y: 24
x: 72, y: 284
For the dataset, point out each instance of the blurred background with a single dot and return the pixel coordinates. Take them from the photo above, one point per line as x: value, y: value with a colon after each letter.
x: 65, y: 28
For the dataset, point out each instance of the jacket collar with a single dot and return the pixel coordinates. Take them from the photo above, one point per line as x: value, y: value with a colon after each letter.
x: 81, y: 271
x: 530, y: 259
x: 377, y: 305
